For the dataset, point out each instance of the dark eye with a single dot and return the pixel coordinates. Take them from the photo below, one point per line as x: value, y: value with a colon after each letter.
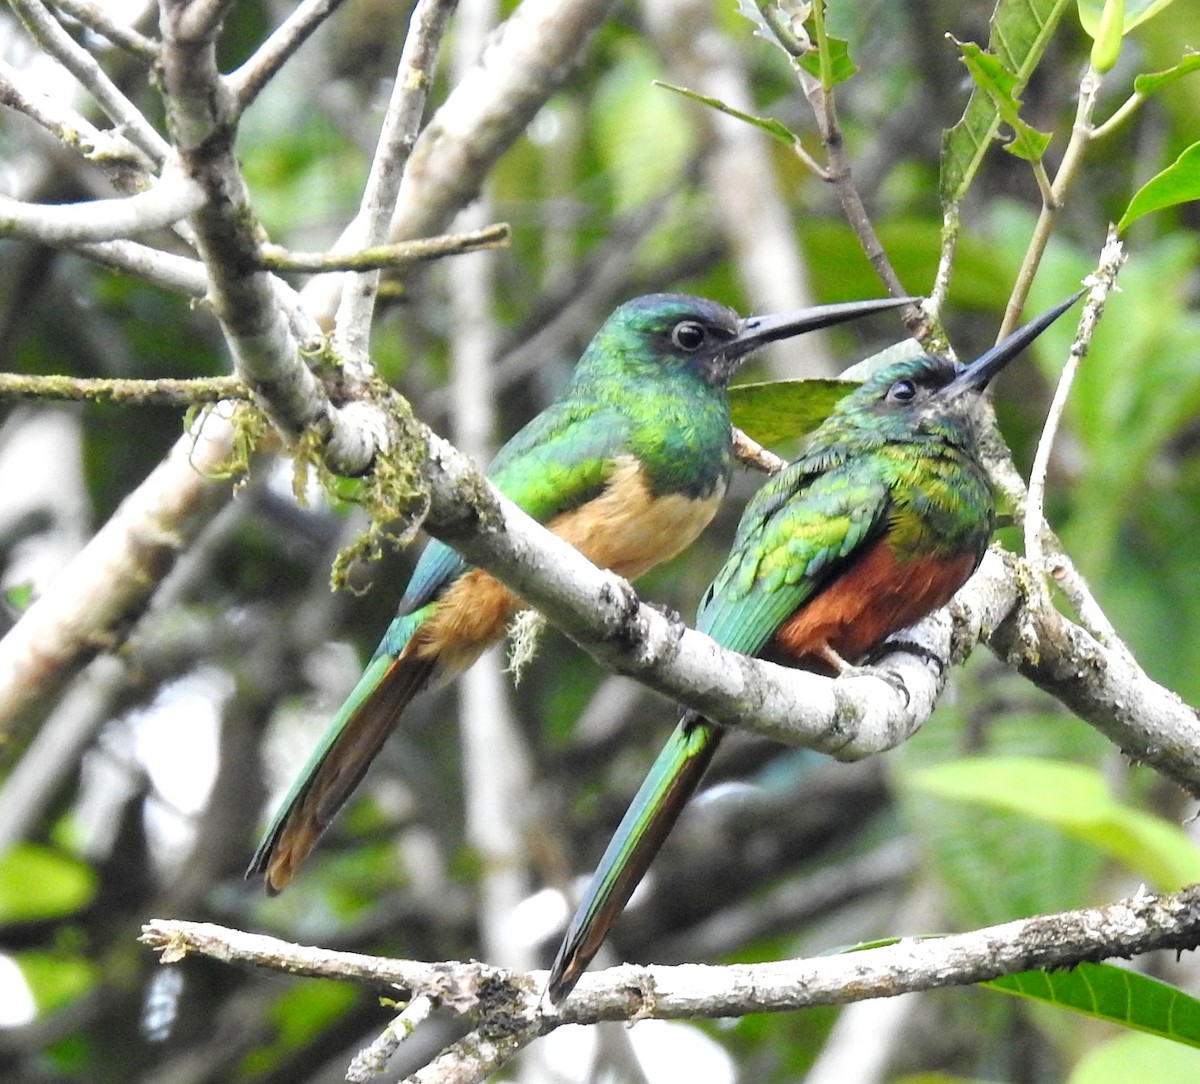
x: 902, y: 391
x: 689, y: 336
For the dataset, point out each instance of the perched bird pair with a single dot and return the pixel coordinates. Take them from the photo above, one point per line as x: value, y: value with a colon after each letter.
x: 884, y: 515
x: 628, y: 465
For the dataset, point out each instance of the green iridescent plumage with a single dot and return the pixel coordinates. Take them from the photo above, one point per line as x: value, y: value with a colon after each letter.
x: 644, y: 418
x: 886, y: 511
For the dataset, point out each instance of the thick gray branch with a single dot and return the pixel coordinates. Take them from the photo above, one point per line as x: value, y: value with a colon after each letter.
x: 246, y: 300
x: 848, y: 717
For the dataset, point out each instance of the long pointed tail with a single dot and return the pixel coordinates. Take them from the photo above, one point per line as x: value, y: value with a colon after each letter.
x: 351, y: 742
x: 672, y: 780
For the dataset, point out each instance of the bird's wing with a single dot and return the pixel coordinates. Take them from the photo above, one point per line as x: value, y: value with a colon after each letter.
x: 797, y: 534
x: 561, y: 459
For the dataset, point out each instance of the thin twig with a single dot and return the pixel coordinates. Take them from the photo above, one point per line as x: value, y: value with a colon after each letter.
x: 1039, y: 538
x: 56, y: 42
x: 819, y: 93
x: 161, y: 392
x: 1053, y: 202
x: 372, y: 1060
x: 748, y: 452
x: 72, y: 129
x: 179, y: 274
x: 1102, y: 281
x: 96, y: 19
x: 414, y: 76
x: 246, y: 83
x: 403, y: 254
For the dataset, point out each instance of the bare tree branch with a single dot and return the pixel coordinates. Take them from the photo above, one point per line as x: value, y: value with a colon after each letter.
x: 69, y: 127
x: 414, y: 76
x: 397, y: 257
x: 93, y: 602
x: 159, y: 392
x: 50, y: 35
x: 95, y: 18
x: 1128, y: 927
x: 245, y: 299
x: 247, y: 82
x: 170, y: 199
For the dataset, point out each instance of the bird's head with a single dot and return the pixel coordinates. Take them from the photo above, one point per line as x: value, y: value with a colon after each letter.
x: 678, y: 332
x: 932, y: 394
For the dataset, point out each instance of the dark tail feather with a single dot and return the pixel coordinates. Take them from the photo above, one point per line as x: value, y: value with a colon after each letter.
x: 672, y: 780
x: 352, y: 740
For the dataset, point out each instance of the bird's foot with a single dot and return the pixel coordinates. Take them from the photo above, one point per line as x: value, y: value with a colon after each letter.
x: 894, y: 679
x: 673, y: 616
x: 919, y: 651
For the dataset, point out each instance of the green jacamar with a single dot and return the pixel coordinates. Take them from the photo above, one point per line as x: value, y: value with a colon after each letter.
x: 628, y: 465
x: 884, y: 515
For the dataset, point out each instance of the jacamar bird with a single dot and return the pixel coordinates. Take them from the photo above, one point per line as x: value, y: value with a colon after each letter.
x: 628, y: 465
x: 883, y: 516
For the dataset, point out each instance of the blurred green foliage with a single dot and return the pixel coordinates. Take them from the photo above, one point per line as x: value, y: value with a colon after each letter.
x: 607, y: 196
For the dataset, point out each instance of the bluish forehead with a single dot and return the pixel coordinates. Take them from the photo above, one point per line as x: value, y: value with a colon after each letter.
x: 926, y: 369
x: 658, y: 308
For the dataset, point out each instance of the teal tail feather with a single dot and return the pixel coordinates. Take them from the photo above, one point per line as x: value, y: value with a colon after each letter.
x: 351, y: 742
x: 672, y: 780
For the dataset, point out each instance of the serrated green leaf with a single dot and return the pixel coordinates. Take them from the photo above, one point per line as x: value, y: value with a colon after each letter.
x: 1178, y: 183
x: 1136, y: 12
x: 38, y: 883
x: 775, y: 129
x: 1107, y: 992
x: 1074, y: 799
x: 1000, y: 84
x: 1020, y: 32
x: 1152, y: 82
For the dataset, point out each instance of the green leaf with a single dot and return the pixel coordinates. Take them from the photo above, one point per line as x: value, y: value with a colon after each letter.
x: 1152, y: 82
x: 1178, y: 183
x: 301, y: 1012
x: 840, y: 66
x: 1109, y: 32
x: 1001, y: 85
x: 1091, y: 13
x: 53, y: 979
x: 1075, y: 800
x: 780, y: 410
x: 19, y: 596
x: 1020, y: 32
x: 777, y: 410
x: 1125, y: 1058
x: 38, y: 883
x: 773, y: 128
x: 1107, y: 992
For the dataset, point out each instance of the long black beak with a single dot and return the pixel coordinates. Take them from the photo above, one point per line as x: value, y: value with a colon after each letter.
x: 975, y: 376
x: 755, y: 331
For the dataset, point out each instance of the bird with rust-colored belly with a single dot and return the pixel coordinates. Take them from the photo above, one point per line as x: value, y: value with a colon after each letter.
x: 881, y: 519
x: 628, y: 465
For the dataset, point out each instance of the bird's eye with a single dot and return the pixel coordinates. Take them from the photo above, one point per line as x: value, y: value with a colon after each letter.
x: 689, y: 336
x: 902, y: 391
